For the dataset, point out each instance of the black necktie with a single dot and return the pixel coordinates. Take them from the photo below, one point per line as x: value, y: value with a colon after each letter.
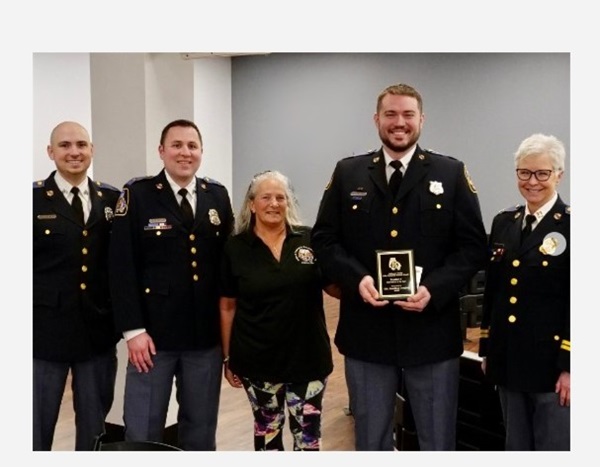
x: 76, y: 204
x: 396, y: 177
x: 529, y: 220
x: 186, y: 209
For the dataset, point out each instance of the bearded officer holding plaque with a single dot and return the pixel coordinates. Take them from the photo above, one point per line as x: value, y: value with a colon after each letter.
x: 382, y: 214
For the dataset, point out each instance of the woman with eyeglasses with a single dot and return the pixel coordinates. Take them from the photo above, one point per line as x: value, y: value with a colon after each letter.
x: 525, y: 330
x: 274, y: 336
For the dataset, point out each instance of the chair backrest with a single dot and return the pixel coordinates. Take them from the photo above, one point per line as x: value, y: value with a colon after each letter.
x: 136, y: 446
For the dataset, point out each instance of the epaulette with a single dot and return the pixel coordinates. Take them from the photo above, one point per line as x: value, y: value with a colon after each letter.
x: 366, y: 153
x: 514, y: 208
x: 39, y: 184
x: 436, y: 153
x: 137, y: 179
x: 433, y: 151
x: 212, y: 181
x: 105, y: 186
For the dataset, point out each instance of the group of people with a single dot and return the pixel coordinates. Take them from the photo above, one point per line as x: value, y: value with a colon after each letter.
x: 199, y: 293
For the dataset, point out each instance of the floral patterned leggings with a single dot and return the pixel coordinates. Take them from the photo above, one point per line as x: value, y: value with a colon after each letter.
x: 304, y: 404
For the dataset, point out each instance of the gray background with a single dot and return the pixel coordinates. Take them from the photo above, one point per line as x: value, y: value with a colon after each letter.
x: 301, y: 112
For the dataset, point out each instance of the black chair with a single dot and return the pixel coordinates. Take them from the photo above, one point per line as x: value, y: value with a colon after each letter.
x: 104, y: 444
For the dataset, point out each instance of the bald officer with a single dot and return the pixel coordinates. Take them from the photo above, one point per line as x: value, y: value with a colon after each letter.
x: 72, y: 313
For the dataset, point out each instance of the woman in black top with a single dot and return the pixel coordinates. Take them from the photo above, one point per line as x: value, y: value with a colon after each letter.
x: 273, y: 331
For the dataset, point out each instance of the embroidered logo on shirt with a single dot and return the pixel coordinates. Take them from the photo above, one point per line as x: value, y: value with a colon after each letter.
x: 304, y: 255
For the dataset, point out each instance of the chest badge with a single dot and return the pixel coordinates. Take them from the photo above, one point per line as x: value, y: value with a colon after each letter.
x: 554, y: 244
x: 213, y: 217
x: 436, y: 188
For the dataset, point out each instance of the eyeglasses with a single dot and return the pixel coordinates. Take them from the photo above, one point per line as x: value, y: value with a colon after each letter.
x: 541, y: 175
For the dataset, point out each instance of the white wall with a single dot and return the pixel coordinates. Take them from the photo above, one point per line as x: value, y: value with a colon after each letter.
x: 128, y: 99
x: 61, y: 91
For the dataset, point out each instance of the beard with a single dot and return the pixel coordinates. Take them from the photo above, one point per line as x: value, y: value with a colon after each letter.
x: 399, y: 147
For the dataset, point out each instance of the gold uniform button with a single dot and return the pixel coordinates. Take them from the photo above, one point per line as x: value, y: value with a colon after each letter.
x: 516, y: 263
x: 47, y: 231
x: 85, y: 233
x: 192, y: 237
x: 556, y: 338
x: 513, y: 300
x: 355, y: 207
x: 84, y: 268
x: 195, y: 277
x: 438, y: 206
x: 544, y: 263
x: 394, y: 210
x: 158, y: 233
x: 193, y: 250
x: 514, y: 281
x: 147, y: 290
x: 394, y: 233
x: 83, y: 286
x: 84, y: 251
x: 512, y: 318
x: 194, y: 264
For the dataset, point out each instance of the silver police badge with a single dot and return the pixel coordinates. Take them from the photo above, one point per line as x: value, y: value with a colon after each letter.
x: 436, y: 188
x: 213, y: 216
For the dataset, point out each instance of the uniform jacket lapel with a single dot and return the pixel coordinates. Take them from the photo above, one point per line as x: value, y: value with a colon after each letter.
x: 550, y: 221
x: 166, y: 196
x: 377, y: 171
x: 416, y: 170
x: 97, y: 211
x: 58, y: 202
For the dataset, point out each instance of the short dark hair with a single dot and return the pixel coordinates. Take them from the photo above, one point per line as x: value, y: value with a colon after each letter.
x: 181, y: 122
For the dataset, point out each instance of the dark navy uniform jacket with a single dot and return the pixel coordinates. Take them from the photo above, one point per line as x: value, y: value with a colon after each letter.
x: 164, y: 278
x: 525, y: 329
x: 72, y: 315
x: 436, y: 213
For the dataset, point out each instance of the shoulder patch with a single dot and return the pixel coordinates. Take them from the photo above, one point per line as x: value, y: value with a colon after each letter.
x: 122, y: 203
x: 212, y: 181
x: 470, y: 181
x: 39, y: 184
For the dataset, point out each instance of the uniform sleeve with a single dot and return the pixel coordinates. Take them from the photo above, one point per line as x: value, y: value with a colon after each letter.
x: 226, y: 280
x: 326, y: 238
x: 123, y: 258
x: 488, y: 293
x: 469, y: 251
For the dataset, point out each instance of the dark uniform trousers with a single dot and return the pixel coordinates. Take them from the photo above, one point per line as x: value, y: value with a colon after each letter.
x: 164, y: 279
x: 73, y: 327
x: 436, y: 214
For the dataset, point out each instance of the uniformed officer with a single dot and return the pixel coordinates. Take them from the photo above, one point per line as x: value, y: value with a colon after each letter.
x: 432, y: 211
x: 525, y: 328
x: 164, y: 263
x: 72, y: 318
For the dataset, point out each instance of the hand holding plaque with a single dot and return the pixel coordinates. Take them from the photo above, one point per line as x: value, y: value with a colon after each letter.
x: 396, y: 277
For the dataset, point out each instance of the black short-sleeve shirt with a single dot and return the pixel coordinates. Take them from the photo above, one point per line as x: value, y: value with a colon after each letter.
x: 279, y: 332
